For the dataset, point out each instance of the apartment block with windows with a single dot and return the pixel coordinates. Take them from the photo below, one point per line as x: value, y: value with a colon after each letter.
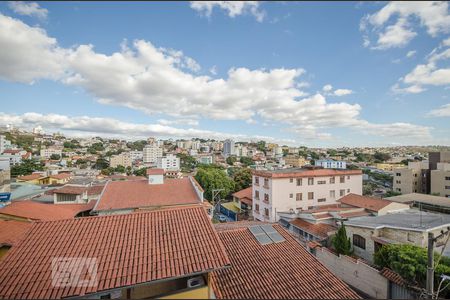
x: 440, y: 180
x: 300, y: 189
x: 413, y: 179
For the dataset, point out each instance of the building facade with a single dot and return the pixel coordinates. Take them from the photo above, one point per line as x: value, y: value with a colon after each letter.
x: 413, y: 179
x: 228, y: 148
x: 440, y: 180
x: 47, y: 152
x: 4, y: 144
x: 297, y: 189
x: 151, y: 153
x: 331, y: 164
x: 169, y: 163
x: 122, y: 159
x: 295, y: 161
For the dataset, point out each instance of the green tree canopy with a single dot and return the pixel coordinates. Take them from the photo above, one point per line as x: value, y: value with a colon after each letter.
x: 26, y: 167
x: 379, y: 156
x: 246, y: 161
x: 101, y: 163
x: 341, y: 243
x: 120, y: 169
x: 213, y: 178
x: 231, y: 160
x: 55, y: 157
x: 242, y: 179
x: 187, y: 162
x: 140, y: 172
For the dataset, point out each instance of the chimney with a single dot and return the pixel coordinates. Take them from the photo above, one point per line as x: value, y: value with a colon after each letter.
x: 155, y: 176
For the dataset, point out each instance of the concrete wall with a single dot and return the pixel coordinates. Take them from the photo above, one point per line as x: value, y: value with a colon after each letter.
x: 355, y: 273
x: 439, y: 181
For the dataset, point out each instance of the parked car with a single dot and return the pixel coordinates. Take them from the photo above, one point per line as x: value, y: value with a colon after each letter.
x: 222, y: 219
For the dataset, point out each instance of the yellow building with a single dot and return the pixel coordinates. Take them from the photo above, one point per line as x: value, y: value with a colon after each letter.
x: 35, y: 178
x: 295, y: 161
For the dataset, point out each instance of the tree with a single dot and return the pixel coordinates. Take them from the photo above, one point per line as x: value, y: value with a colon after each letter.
x: 140, y: 172
x: 341, y: 243
x: 55, y: 157
x: 231, y: 160
x: 94, y: 148
x: 26, y: 167
x: 246, y: 161
x: 410, y: 262
x: 392, y: 194
x: 242, y: 179
x: 379, y: 156
x: 214, y: 178
x: 314, y: 155
x: 187, y: 162
x: 101, y: 163
x: 129, y: 170
x: 107, y: 171
x: 285, y: 152
x: 261, y: 146
x: 120, y: 169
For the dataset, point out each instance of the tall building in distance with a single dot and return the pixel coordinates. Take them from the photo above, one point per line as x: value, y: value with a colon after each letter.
x: 169, y: 163
x: 122, y: 159
x: 151, y: 153
x: 290, y: 190
x: 331, y: 164
x: 4, y: 144
x: 228, y: 148
x: 413, y: 179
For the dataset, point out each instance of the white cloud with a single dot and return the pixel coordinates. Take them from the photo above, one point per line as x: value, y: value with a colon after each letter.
x: 327, y: 88
x: 190, y: 122
x: 160, y: 81
x: 411, y: 53
x: 443, y: 111
x: 213, y: 70
x: 413, y: 89
x: 427, y: 74
x: 342, y: 92
x: 28, y: 9
x: 432, y: 15
x: 233, y: 8
x: 27, y: 53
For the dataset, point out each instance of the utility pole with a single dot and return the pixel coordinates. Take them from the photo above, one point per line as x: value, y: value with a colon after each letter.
x: 215, y: 193
x: 430, y: 266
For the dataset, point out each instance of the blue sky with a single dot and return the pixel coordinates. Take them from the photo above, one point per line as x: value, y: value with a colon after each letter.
x: 307, y: 73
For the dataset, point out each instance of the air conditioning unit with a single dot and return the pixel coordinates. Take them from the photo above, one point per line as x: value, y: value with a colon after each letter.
x: 195, y: 282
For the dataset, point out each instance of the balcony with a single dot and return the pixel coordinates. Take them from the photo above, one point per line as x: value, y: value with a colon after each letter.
x: 266, y: 201
x: 266, y: 186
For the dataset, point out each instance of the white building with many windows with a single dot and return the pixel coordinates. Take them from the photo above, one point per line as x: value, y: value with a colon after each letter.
x: 151, y: 153
x: 228, y: 148
x: 331, y: 164
x: 295, y: 189
x: 169, y: 163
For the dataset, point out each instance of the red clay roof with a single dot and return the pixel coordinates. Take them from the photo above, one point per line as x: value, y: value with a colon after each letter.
x: 354, y: 214
x: 319, y: 229
x: 129, y: 249
x: 139, y: 193
x: 373, y: 204
x: 283, y: 270
x: 393, y: 276
x: 42, y: 211
x: 155, y: 171
x: 70, y: 189
x: 11, y: 151
x: 95, y: 190
x: 61, y: 176
x: 245, y: 193
x: 12, y: 231
x: 305, y: 173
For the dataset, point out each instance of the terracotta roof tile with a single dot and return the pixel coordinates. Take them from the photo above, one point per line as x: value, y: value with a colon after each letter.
x: 33, y: 210
x: 30, y: 177
x: 129, y: 249
x: 61, y: 176
x: 354, y: 214
x: 95, y: 189
x: 370, y: 203
x: 139, y: 193
x: 12, y: 231
x: 155, y: 171
x: 283, y: 270
x: 70, y: 189
x: 245, y: 193
x: 393, y: 276
x: 319, y: 229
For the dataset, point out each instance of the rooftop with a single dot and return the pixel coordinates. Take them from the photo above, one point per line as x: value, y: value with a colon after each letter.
x: 318, y: 229
x: 260, y: 272
x: 245, y: 193
x: 33, y: 210
x: 155, y: 171
x: 12, y: 231
x: 61, y: 176
x: 30, y: 177
x: 369, y: 203
x: 155, y: 245
x: 139, y: 193
x: 410, y: 219
x: 304, y: 172
x: 422, y: 198
x: 71, y: 189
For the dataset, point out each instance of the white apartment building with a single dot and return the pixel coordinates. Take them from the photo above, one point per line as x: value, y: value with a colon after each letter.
x: 136, y: 155
x: 169, y: 163
x: 122, y: 159
x: 4, y: 144
x: 331, y: 164
x: 294, y: 189
x: 228, y: 148
x: 151, y: 153
x: 47, y: 152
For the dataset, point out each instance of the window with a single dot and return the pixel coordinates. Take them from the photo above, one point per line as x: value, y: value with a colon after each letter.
x: 310, y: 181
x: 310, y: 195
x: 342, y: 179
x: 398, y: 174
x: 266, y: 182
x: 332, y: 180
x: 447, y: 187
x: 256, y: 180
x: 359, y: 241
x: 257, y: 207
x: 310, y: 207
x: 321, y: 200
x: 348, y: 190
x: 298, y: 196
x: 66, y: 198
x: 266, y: 197
x: 299, y: 181
x: 266, y: 212
x: 410, y: 237
x: 341, y: 193
x: 332, y: 194
x: 447, y: 177
x: 291, y: 196
x: 321, y: 182
x: 291, y: 180
x: 257, y: 195
x: 348, y: 177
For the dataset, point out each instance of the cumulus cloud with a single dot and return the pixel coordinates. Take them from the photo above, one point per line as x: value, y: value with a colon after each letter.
x: 27, y: 53
x: 190, y: 122
x: 429, y: 73
x: 28, y: 9
x: 163, y: 81
x: 432, y: 15
x: 411, y: 53
x: 233, y: 8
x: 443, y: 111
